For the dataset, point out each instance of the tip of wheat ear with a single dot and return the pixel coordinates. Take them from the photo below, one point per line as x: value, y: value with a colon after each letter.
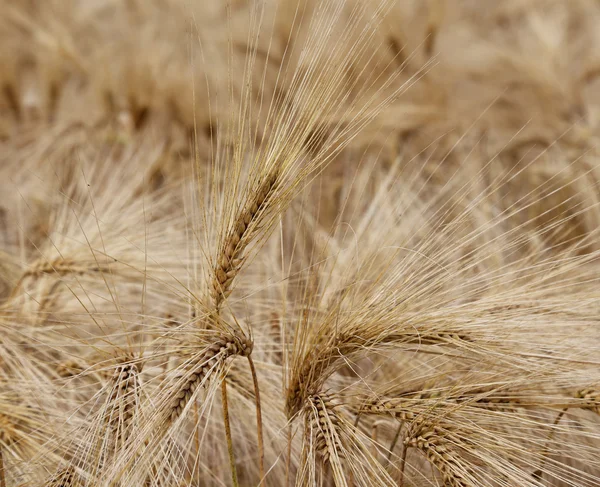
x: 231, y: 256
x: 200, y: 370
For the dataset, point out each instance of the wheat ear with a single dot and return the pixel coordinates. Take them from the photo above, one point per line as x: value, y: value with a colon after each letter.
x: 231, y: 255
x: 213, y: 356
x: 122, y: 401
x: 433, y: 442
x: 196, y: 374
x: 324, y: 420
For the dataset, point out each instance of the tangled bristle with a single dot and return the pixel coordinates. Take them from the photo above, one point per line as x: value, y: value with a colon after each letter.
x: 65, y: 477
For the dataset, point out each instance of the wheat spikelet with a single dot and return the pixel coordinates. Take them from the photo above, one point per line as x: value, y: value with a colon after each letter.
x: 202, y: 369
x: 396, y: 407
x: 231, y: 257
x: 433, y: 441
x: 122, y: 401
x: 324, y: 420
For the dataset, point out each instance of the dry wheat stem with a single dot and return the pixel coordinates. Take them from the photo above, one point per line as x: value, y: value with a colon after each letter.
x: 259, y: 428
x: 2, y: 476
x: 394, y: 442
x: 403, y: 462
x: 228, y: 436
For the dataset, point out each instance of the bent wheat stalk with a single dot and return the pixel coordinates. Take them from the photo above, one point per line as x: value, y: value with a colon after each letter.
x: 228, y: 437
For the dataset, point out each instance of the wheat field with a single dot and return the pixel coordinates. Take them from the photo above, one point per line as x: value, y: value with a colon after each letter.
x: 299, y: 243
